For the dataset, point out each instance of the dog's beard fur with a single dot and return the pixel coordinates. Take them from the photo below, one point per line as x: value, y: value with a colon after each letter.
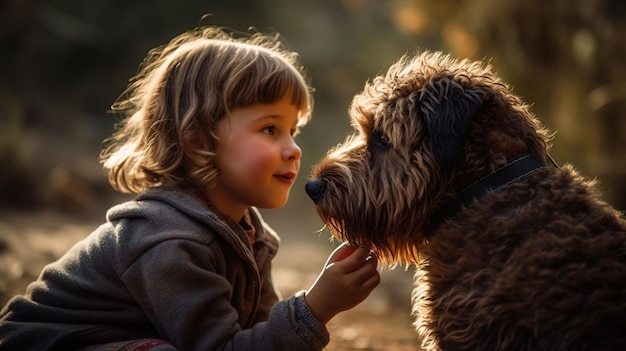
x: 366, y: 202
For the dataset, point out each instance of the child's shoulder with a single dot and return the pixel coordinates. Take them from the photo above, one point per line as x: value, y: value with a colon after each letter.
x: 158, y: 201
x: 162, y: 211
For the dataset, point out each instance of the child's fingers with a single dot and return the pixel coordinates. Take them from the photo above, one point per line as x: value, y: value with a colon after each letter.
x: 371, y: 282
x: 373, y: 260
x: 344, y: 250
x: 366, y: 271
x: 356, y: 260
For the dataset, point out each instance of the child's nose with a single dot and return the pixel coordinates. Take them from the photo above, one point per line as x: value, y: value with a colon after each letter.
x: 292, y: 151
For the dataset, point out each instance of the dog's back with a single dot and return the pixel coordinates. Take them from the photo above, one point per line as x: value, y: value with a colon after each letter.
x: 539, y: 264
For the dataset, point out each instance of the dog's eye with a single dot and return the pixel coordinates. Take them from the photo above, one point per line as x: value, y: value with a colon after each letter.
x: 381, y: 140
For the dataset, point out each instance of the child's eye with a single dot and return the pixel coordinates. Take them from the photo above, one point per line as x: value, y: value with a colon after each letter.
x: 269, y: 130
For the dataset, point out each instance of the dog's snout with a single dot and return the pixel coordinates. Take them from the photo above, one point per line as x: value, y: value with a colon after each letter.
x: 315, y: 188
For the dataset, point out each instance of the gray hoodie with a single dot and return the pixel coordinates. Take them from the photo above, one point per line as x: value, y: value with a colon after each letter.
x: 162, y: 266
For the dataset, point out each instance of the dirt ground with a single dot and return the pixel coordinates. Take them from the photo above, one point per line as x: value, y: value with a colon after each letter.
x: 28, y: 241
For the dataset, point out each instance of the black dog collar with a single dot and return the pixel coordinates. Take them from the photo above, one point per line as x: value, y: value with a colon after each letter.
x: 518, y: 168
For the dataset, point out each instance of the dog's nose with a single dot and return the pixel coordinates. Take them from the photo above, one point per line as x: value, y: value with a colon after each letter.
x: 315, y: 188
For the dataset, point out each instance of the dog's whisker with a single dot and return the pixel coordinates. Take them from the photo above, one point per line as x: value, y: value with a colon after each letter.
x: 319, y: 231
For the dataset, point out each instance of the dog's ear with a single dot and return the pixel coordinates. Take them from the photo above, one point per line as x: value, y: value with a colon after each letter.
x: 448, y: 108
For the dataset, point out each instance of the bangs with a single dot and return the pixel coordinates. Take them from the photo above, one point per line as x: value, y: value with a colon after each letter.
x: 266, y: 79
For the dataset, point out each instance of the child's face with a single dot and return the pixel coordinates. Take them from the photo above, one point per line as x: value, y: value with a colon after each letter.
x: 257, y: 157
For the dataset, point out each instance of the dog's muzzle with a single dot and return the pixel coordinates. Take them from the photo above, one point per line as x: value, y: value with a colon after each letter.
x: 315, y: 189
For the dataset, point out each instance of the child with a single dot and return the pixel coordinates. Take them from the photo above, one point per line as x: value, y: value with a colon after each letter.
x: 208, y: 136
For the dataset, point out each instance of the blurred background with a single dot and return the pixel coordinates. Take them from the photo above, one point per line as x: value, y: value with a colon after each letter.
x: 64, y: 62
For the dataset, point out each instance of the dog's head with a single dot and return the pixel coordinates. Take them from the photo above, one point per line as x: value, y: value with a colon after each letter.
x: 423, y: 130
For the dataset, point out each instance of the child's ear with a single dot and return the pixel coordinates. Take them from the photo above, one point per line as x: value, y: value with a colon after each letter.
x: 449, y: 108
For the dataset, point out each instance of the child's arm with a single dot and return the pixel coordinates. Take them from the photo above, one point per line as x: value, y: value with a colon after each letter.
x: 348, y: 277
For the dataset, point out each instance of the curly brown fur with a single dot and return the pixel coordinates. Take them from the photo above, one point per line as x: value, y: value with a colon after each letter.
x: 539, y: 264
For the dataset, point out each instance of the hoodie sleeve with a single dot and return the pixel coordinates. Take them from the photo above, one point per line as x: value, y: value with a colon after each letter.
x: 291, y: 326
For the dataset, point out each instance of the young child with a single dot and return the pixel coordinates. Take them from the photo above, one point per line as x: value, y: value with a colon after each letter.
x: 208, y: 136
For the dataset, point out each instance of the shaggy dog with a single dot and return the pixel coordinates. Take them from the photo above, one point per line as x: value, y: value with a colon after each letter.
x: 449, y: 170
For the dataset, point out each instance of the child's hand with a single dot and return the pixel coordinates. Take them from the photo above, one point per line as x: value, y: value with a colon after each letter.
x: 348, y: 277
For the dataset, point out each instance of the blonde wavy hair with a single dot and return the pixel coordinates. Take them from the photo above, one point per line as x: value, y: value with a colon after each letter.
x: 171, y: 108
